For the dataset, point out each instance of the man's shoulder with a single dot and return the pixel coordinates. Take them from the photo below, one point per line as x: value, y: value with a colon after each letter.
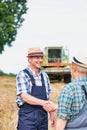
x: 70, y: 86
x: 44, y: 73
x: 21, y: 72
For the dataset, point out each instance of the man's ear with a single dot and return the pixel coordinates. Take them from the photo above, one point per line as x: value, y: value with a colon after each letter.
x: 74, y: 67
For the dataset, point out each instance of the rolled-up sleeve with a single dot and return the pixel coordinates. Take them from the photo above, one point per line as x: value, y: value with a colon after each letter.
x: 64, y: 104
x: 22, y: 83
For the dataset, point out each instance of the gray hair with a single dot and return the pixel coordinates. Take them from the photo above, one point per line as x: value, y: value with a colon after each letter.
x: 82, y: 69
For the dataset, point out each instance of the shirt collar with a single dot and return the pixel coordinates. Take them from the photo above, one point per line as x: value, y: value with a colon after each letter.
x: 81, y: 78
x: 32, y: 72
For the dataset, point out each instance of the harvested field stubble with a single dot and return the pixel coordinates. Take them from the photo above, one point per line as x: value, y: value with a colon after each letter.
x: 8, y: 108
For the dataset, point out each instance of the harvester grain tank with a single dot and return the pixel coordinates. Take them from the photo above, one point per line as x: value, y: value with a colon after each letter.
x: 56, y: 63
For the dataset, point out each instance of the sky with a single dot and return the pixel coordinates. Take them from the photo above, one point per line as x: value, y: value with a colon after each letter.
x: 47, y: 23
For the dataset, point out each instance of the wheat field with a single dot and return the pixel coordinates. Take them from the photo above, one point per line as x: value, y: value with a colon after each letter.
x: 8, y: 108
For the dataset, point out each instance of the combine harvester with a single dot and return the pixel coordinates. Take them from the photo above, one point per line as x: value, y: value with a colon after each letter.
x: 56, y: 64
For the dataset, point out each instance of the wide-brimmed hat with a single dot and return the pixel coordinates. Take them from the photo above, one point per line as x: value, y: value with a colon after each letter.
x: 80, y: 60
x: 34, y: 52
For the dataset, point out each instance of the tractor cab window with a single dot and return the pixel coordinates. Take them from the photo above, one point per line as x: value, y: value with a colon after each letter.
x: 54, y: 55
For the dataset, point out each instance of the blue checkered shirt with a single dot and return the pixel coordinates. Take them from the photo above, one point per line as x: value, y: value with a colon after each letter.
x: 23, y: 84
x: 72, y: 99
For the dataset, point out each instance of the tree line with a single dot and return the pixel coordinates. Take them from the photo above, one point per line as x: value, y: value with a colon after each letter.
x: 2, y: 73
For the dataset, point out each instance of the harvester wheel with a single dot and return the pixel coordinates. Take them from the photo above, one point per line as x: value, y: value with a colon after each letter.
x: 67, y: 78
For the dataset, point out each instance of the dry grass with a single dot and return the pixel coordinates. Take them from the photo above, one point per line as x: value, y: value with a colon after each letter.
x: 8, y: 108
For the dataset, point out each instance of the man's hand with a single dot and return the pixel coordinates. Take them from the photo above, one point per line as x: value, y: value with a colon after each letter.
x: 50, y: 106
x: 53, y: 119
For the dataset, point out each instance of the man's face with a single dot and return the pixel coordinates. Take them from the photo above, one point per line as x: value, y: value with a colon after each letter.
x: 36, y: 61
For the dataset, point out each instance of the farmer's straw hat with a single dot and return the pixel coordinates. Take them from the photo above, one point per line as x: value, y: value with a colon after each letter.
x: 80, y: 59
x: 34, y: 52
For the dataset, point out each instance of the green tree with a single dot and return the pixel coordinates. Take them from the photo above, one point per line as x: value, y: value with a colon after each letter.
x: 11, y: 18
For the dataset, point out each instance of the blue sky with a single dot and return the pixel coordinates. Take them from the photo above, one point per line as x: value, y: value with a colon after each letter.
x: 48, y: 23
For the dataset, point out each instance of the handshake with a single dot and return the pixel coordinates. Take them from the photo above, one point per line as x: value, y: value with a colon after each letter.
x: 49, y: 106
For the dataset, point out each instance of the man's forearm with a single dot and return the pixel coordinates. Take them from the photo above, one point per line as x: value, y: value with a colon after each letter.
x: 32, y: 100
x: 60, y: 124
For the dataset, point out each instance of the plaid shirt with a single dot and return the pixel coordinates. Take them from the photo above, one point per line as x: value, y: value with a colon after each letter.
x: 72, y: 99
x: 23, y: 84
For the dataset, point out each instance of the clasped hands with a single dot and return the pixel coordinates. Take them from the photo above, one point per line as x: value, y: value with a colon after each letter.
x: 49, y: 106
